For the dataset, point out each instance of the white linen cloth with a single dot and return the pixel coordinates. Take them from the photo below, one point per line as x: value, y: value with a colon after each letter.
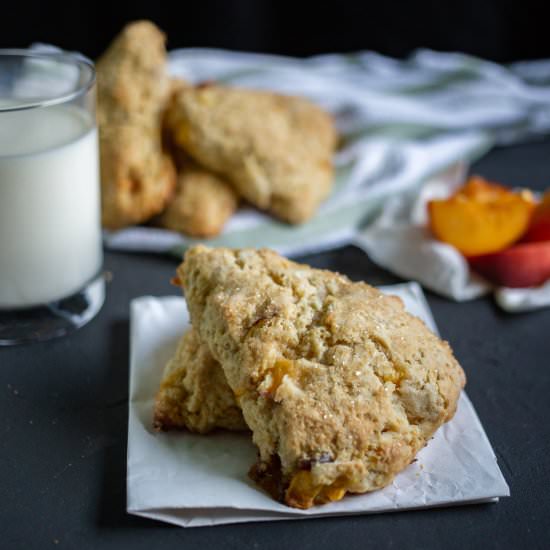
x: 401, y: 122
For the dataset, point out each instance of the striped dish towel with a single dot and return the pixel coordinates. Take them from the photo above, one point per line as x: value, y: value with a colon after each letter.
x: 402, y: 123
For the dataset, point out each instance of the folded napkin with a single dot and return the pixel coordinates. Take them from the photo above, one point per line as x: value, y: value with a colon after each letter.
x: 399, y: 241
x: 193, y: 480
x: 401, y: 122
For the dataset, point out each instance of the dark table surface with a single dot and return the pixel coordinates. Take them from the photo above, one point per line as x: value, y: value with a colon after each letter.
x: 64, y: 407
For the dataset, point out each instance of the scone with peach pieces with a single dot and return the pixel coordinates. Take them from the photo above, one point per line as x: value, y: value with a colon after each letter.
x: 202, y: 203
x: 276, y: 150
x: 133, y: 86
x: 339, y: 385
x: 194, y: 394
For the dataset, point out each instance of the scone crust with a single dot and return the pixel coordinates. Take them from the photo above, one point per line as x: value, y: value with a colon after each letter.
x: 132, y: 78
x: 194, y: 394
x: 337, y: 382
x: 201, y: 205
x: 137, y: 177
x: 276, y: 150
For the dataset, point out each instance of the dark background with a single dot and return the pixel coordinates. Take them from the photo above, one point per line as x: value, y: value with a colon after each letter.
x: 500, y: 30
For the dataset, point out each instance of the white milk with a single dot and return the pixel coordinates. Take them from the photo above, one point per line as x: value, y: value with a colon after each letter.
x: 50, y: 235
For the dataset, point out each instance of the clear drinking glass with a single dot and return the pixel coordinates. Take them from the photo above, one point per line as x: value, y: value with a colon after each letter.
x: 50, y: 231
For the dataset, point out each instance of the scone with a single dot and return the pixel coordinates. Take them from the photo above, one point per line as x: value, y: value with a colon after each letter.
x: 339, y: 385
x: 202, y: 202
x: 194, y: 394
x: 276, y: 150
x: 137, y: 177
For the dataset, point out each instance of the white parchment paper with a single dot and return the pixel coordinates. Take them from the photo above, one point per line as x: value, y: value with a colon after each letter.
x: 193, y: 480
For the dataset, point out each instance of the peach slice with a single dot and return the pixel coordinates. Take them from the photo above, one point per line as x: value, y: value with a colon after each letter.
x: 522, y: 265
x: 539, y: 228
x: 481, y: 217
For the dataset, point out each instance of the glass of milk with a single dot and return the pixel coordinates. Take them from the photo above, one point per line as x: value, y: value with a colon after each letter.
x: 50, y: 234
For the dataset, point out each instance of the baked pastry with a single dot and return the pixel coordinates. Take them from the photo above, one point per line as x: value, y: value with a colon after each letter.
x: 276, y: 150
x: 202, y: 202
x: 133, y: 86
x: 137, y: 178
x: 339, y: 385
x: 194, y: 394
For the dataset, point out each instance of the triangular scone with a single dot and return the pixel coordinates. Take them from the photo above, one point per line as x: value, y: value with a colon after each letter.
x: 339, y: 385
x: 203, y: 202
x: 133, y: 86
x: 276, y: 150
x: 194, y: 394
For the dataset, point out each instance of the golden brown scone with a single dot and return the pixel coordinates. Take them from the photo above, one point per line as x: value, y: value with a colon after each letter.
x: 177, y: 84
x: 339, y: 385
x: 203, y: 201
x: 194, y: 394
x: 202, y: 204
x: 132, y: 78
x: 137, y: 177
x: 276, y: 150
x: 179, y: 156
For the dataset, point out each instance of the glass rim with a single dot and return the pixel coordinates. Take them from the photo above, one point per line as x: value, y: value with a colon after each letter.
x: 63, y: 57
